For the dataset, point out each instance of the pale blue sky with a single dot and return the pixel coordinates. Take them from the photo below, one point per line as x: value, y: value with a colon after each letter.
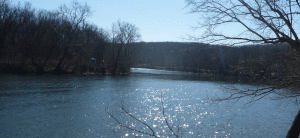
x: 158, y: 20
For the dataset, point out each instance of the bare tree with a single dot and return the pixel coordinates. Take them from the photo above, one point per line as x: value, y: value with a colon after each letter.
x: 43, y: 41
x: 72, y: 16
x: 262, y: 21
x: 123, y: 35
x: 6, y: 18
x: 266, y: 21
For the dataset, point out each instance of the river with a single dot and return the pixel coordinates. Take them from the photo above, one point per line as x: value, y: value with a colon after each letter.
x: 75, y: 106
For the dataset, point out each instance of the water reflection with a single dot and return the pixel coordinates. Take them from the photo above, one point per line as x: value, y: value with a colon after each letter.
x: 74, y: 106
x: 188, y: 76
x: 186, y: 107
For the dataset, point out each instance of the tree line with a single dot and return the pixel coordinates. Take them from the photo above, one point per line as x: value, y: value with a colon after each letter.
x: 260, y: 60
x: 62, y: 41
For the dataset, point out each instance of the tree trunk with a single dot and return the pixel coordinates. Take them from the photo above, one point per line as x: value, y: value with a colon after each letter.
x: 295, y: 128
x: 2, y: 42
x: 58, y: 67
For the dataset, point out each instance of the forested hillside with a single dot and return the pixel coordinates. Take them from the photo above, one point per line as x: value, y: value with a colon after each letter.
x: 61, y: 41
x: 248, y: 60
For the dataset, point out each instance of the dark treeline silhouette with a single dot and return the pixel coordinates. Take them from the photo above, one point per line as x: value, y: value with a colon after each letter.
x: 248, y: 60
x: 61, y: 41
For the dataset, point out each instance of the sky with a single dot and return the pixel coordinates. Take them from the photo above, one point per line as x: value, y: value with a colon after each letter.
x: 157, y: 20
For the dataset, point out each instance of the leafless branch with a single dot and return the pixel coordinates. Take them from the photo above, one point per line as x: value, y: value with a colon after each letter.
x: 110, y: 113
x: 153, y: 133
x: 165, y: 118
x: 273, y: 23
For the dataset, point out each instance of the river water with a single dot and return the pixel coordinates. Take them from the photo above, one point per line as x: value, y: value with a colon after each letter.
x: 77, y: 106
